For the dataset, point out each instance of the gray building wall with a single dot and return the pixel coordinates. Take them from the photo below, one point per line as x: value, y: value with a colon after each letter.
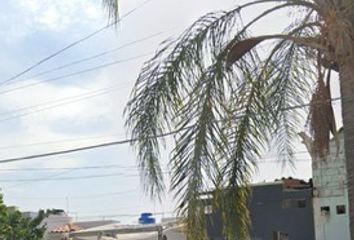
x: 274, y: 210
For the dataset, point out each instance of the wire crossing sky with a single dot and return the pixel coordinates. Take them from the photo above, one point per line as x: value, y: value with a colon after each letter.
x: 108, y: 144
x: 73, y: 44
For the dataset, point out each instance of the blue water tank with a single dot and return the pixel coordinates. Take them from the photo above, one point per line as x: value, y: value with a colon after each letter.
x: 146, y: 218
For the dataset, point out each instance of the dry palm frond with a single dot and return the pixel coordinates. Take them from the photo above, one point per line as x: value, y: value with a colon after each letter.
x: 241, y: 48
x: 321, y: 117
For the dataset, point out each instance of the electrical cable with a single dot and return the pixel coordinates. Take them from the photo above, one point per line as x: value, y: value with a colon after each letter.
x: 88, y: 58
x: 69, y: 168
x: 57, y: 141
x: 66, y: 99
x: 126, y: 141
x: 122, y: 215
x: 129, y: 167
x: 57, y: 105
x: 80, y: 149
x: 51, y: 178
x: 75, y: 73
x: 97, y: 195
x: 40, y: 62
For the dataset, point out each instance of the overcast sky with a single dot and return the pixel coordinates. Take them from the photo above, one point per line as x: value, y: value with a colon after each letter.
x: 38, y: 115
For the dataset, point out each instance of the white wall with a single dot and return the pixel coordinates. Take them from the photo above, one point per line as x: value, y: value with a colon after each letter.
x: 330, y: 190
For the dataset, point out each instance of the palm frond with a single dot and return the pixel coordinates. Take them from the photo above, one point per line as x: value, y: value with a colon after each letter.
x: 195, y: 158
x: 245, y: 143
x: 288, y: 86
x: 227, y: 112
x: 112, y: 8
x: 239, y: 48
x: 166, y: 81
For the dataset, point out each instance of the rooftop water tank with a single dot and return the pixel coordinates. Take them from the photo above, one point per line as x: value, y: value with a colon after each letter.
x: 146, y: 218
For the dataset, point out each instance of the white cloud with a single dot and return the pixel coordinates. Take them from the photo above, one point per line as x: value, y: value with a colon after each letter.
x: 21, y: 18
x: 58, y: 15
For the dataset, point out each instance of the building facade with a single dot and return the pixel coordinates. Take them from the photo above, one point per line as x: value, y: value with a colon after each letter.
x: 286, y: 210
x: 281, y: 210
x: 330, y: 192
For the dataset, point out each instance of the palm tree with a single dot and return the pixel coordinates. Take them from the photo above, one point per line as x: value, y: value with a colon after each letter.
x: 225, y: 99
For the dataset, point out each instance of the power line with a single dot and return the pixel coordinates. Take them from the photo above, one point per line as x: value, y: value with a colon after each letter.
x: 121, y: 215
x: 58, y: 141
x: 128, y: 167
x: 85, y: 139
x: 276, y: 161
x: 91, y: 57
x: 126, y: 141
x: 80, y: 61
x: 308, y: 104
x: 97, y: 195
x: 131, y: 167
x: 54, y: 178
x: 76, y: 73
x: 106, y: 194
x: 21, y: 183
x: 104, y: 90
x: 69, y: 168
x: 79, y: 149
x: 40, y: 62
x: 68, y: 65
x: 104, y: 210
x: 52, y: 106
x: 60, y: 178
x: 66, y: 102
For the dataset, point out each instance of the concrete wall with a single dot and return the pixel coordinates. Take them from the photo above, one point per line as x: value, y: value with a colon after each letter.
x: 330, y: 192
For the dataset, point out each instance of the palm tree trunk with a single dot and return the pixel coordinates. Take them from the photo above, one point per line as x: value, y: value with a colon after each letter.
x: 346, y: 75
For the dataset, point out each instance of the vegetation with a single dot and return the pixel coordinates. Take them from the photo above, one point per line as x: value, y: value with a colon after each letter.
x: 15, y: 226
x: 228, y: 102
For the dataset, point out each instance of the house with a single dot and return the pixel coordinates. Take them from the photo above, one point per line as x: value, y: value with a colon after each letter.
x: 293, y: 209
x: 172, y: 230
x: 330, y: 190
x: 279, y: 210
x: 56, y: 218
x: 62, y: 232
x: 59, y: 224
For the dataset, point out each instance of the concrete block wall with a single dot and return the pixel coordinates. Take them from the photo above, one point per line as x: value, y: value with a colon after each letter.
x: 330, y: 194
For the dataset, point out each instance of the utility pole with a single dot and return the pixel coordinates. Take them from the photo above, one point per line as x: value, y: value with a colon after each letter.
x: 67, y: 204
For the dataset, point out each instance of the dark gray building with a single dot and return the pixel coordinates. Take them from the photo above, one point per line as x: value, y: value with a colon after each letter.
x: 281, y: 210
